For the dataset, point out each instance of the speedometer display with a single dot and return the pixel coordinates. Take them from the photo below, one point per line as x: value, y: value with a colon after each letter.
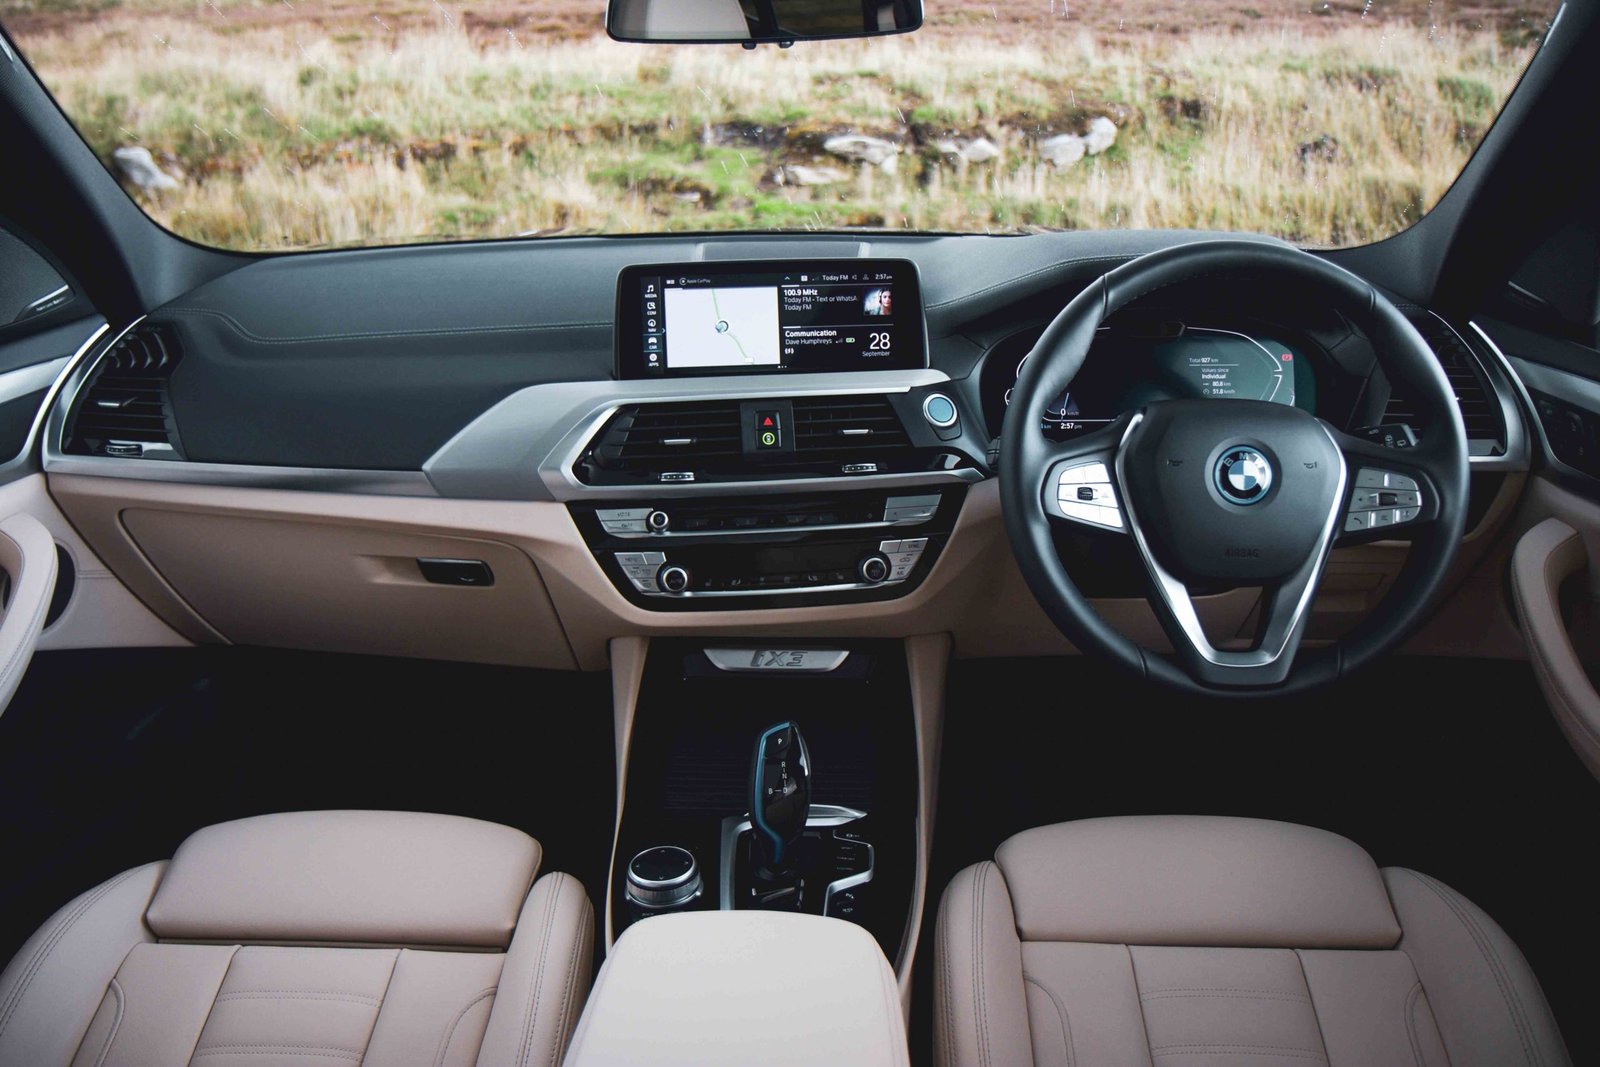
x: 1125, y: 372
x: 1215, y: 363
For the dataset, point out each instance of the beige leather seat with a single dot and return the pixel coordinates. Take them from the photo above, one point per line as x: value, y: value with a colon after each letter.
x: 1219, y: 942
x: 315, y: 938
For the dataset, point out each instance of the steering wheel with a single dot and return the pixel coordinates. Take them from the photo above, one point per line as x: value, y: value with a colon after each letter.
x: 1224, y: 493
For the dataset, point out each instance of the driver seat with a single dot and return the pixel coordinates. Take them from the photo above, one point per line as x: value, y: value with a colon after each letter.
x: 314, y: 939
x: 1182, y: 940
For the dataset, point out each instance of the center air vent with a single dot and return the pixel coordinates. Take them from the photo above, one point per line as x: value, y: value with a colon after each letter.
x: 125, y: 409
x: 1478, y: 409
x: 681, y: 436
x: 707, y: 441
x: 846, y: 426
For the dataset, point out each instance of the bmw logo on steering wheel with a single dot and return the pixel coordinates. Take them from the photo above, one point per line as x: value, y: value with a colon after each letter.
x: 1243, y: 475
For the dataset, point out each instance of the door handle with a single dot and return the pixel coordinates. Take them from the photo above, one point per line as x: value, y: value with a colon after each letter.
x: 1545, y: 557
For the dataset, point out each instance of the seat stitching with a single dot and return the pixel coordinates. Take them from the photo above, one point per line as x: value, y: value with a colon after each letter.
x: 48, y: 946
x: 1492, y: 958
x: 221, y: 984
x: 450, y: 1034
x: 1226, y: 994
x: 566, y: 996
x: 1061, y: 1013
x: 531, y: 1016
x: 1185, y: 1045
x: 276, y: 1047
x: 942, y: 952
x: 299, y: 994
x: 1237, y: 1050
x: 306, y: 1053
x: 394, y: 965
x: 116, y: 1024
x: 1133, y: 973
x: 1411, y: 1023
x: 1322, y: 1038
x: 978, y: 990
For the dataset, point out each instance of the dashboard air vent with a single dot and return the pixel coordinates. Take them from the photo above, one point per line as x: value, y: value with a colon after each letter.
x: 125, y: 409
x: 678, y: 436
x: 847, y: 426
x: 1478, y: 410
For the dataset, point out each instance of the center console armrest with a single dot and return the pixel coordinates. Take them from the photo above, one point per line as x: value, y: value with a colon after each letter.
x: 741, y: 987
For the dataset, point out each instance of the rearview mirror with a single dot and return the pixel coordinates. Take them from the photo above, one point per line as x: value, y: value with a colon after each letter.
x: 753, y: 22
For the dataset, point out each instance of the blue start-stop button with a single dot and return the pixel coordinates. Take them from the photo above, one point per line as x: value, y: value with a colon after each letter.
x: 940, y: 410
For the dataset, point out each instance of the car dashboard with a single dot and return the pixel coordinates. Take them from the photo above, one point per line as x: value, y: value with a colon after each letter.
x: 507, y: 438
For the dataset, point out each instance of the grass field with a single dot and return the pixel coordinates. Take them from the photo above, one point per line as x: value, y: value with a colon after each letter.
x: 296, y: 123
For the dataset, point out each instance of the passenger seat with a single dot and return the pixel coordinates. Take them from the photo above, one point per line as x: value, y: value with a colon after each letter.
x: 316, y: 938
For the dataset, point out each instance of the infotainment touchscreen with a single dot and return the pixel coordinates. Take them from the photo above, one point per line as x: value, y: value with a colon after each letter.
x: 769, y: 318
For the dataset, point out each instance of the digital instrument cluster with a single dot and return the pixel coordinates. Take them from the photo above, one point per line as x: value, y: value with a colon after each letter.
x: 1129, y: 368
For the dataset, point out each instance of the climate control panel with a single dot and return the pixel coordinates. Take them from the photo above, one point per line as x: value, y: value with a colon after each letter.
x: 754, y: 552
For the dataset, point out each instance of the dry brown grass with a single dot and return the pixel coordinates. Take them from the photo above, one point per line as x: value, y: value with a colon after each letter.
x: 346, y: 124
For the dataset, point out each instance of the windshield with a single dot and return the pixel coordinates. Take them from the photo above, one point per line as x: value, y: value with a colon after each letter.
x: 297, y: 124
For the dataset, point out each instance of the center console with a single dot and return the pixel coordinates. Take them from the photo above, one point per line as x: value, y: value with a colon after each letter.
x: 768, y: 779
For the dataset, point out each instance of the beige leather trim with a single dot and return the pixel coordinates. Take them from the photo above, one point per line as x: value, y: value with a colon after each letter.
x: 927, y: 663
x: 1546, y: 557
x: 974, y: 592
x: 381, y: 877
x: 102, y: 612
x: 545, y: 979
x: 740, y: 988
x: 1195, y: 880
x: 51, y: 988
x: 627, y: 673
x: 28, y: 556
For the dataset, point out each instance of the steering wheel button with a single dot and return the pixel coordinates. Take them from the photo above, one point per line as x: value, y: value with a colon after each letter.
x: 1384, y: 517
x: 1358, y: 520
x: 1407, y: 514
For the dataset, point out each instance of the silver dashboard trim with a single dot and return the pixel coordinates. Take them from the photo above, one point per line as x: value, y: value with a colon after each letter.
x: 1518, y: 453
x: 246, y: 475
x: 48, y: 405
x: 526, y: 446
x: 772, y: 532
x: 850, y: 881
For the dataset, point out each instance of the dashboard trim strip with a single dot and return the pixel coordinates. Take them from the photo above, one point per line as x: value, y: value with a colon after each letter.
x: 1518, y: 453
x: 41, y: 419
x: 550, y: 425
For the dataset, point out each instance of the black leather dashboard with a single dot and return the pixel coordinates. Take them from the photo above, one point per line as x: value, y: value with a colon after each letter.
x: 373, y: 359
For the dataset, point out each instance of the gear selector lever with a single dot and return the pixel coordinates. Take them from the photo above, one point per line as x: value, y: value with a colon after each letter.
x: 780, y: 800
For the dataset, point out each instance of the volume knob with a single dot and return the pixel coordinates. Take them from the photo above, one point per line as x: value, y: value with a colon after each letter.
x: 673, y: 578
x: 658, y: 521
